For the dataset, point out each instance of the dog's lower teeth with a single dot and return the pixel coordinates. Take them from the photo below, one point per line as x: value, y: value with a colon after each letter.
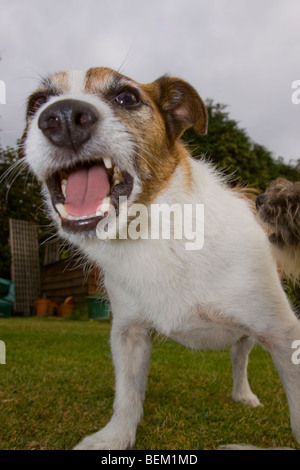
x: 62, y: 211
x: 82, y: 217
x: 104, y: 206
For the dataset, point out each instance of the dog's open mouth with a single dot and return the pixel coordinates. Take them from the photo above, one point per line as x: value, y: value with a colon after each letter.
x: 83, y: 195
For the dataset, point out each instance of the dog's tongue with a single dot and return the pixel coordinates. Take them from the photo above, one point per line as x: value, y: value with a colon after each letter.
x: 86, y: 188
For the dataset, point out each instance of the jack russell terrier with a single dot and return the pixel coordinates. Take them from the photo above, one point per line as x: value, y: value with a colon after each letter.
x: 106, y: 150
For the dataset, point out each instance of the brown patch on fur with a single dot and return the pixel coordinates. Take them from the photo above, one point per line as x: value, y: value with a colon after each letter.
x: 172, y: 106
x: 101, y: 80
x: 187, y: 170
x: 157, y: 177
x: 60, y: 82
x: 249, y: 194
x: 146, y: 127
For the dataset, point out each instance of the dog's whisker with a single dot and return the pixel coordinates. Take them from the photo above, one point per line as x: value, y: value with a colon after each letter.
x: 16, y: 168
x: 9, y: 177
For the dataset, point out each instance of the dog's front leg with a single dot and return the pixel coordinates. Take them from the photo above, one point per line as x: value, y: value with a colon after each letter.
x: 131, y: 350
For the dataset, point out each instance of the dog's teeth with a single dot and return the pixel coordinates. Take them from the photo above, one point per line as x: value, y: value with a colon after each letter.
x: 117, y: 172
x: 63, y: 186
x: 117, y: 176
x: 107, y: 162
x: 105, y: 206
x: 62, y: 211
x: 82, y: 217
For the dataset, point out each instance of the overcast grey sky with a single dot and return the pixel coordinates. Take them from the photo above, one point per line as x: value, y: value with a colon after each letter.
x: 243, y: 53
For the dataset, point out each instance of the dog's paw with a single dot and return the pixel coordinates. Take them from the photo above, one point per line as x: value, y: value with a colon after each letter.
x: 97, y: 442
x: 247, y: 399
x: 107, y: 439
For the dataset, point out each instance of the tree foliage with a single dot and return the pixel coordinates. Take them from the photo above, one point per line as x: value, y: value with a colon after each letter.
x: 232, y: 150
x: 19, y: 198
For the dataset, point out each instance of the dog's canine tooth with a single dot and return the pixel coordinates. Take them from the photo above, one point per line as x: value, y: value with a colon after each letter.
x: 107, y: 162
x: 64, y: 186
x: 105, y: 205
x: 62, y: 211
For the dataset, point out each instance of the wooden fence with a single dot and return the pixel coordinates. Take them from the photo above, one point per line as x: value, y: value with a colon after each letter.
x: 66, y: 278
x: 25, y: 264
x: 56, y: 280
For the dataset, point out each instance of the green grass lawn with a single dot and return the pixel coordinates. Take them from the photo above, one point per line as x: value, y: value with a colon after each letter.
x: 57, y: 386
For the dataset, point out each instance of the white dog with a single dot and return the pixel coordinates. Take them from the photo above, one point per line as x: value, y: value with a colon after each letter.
x: 107, y: 150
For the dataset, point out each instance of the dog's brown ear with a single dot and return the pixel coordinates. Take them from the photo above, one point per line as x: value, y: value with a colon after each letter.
x: 180, y: 105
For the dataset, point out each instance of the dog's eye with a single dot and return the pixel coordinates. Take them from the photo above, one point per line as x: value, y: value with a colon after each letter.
x: 36, y: 103
x: 127, y: 99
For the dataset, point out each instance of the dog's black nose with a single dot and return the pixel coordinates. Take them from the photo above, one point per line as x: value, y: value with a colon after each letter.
x: 259, y: 200
x: 68, y: 123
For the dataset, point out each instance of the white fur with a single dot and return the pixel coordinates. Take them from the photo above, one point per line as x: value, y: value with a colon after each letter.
x: 76, y: 81
x: 209, y: 299
x: 227, y: 293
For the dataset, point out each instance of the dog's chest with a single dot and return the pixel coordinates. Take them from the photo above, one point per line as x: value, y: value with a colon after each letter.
x: 166, y: 294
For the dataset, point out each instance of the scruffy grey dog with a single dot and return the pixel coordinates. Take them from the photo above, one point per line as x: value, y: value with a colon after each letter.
x: 279, y: 210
